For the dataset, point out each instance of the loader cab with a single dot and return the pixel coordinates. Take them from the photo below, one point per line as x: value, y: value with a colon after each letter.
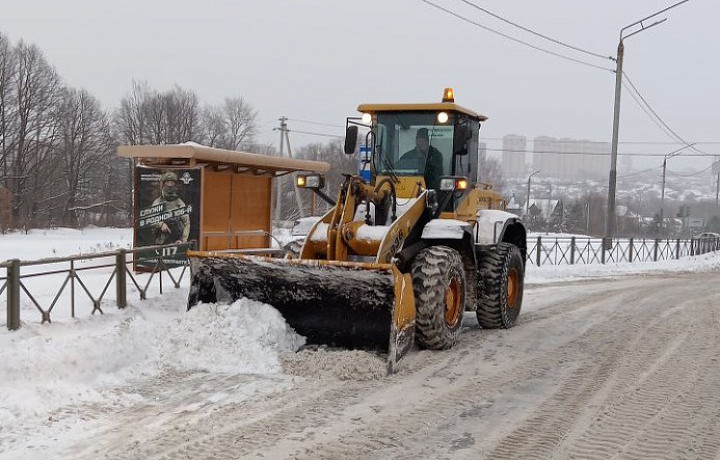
x: 420, y: 143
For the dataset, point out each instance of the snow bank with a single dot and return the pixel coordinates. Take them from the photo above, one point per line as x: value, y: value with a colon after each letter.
x: 46, y: 366
x: 560, y: 273
x: 38, y: 243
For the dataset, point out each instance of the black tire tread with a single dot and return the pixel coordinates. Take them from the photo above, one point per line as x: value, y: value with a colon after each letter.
x: 494, y: 263
x: 432, y: 270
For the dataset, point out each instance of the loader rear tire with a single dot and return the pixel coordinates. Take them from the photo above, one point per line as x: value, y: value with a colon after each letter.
x: 502, y: 274
x: 439, y: 287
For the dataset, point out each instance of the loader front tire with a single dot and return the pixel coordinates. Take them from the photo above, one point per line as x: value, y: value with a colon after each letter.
x: 439, y: 287
x: 502, y: 274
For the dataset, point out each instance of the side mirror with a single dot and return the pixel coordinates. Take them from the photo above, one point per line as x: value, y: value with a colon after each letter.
x: 351, y: 139
x: 461, y: 136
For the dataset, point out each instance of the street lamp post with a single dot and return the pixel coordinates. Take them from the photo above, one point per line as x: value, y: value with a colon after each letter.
x: 527, y: 202
x: 610, y: 217
x: 674, y: 153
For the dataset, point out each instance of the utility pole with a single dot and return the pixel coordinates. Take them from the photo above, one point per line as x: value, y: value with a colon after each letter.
x: 285, y: 139
x: 298, y: 197
x: 278, y: 181
x: 662, y: 199
x: 674, y: 153
x: 610, y: 217
x: 527, y: 202
x: 716, y: 167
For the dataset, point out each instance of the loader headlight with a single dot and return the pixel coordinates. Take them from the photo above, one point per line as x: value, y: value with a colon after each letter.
x: 366, y: 118
x: 449, y: 184
x: 442, y: 117
x: 311, y: 181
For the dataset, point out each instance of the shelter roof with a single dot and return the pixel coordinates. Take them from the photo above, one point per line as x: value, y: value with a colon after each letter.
x: 241, y: 162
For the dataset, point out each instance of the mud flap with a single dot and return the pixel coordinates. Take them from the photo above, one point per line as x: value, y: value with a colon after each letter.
x: 342, y: 304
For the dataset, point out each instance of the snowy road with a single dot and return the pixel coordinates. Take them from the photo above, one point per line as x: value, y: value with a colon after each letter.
x: 624, y: 368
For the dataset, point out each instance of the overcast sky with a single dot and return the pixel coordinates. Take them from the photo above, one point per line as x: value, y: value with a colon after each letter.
x: 316, y: 60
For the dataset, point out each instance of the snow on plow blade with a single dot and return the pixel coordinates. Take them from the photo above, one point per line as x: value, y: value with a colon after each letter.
x: 343, y: 304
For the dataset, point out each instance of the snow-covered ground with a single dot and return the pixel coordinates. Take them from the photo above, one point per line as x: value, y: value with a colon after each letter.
x: 59, y: 381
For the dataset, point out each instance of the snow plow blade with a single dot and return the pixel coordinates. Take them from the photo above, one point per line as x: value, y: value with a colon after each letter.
x: 341, y: 304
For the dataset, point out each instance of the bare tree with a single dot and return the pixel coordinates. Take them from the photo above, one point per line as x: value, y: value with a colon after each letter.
x: 37, y: 90
x: 85, y: 146
x: 129, y: 120
x: 147, y: 116
x: 8, y: 107
x: 231, y: 126
x: 213, y: 126
x: 490, y: 172
x: 240, y: 120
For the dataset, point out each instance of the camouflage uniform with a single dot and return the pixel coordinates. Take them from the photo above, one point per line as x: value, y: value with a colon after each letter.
x: 179, y: 226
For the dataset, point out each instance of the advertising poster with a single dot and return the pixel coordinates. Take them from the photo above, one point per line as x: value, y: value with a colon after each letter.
x: 167, y: 211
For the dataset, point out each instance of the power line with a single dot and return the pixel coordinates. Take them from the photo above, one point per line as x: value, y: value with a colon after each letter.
x: 470, y: 21
x: 639, y: 172
x: 691, y: 175
x: 315, y: 123
x: 316, y: 134
x: 674, y: 134
x: 649, y: 114
x: 628, y: 154
x: 567, y: 141
x: 538, y: 34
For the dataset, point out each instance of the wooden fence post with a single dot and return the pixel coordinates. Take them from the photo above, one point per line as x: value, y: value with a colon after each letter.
x: 538, y: 249
x: 572, y: 251
x: 630, y: 253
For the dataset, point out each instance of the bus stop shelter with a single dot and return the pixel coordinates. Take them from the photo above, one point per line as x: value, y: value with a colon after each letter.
x: 220, y: 198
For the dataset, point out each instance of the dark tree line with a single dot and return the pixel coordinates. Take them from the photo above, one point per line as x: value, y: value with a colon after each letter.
x: 57, y: 143
x: 58, y: 165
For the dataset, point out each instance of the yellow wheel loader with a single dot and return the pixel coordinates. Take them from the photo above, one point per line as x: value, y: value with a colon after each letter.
x: 411, y: 243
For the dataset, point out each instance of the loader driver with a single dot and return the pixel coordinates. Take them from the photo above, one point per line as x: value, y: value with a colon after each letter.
x: 428, y: 159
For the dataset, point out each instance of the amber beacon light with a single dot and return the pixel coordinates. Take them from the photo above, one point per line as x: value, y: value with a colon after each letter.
x: 448, y: 95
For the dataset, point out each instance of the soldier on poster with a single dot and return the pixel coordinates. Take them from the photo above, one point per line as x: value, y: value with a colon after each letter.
x: 174, y: 229
x: 167, y: 213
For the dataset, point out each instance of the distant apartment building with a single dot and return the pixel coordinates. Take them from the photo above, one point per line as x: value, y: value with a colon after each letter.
x: 514, y: 154
x: 571, y: 159
x: 482, y: 154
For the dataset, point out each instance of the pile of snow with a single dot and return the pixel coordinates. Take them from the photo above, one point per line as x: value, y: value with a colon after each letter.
x: 45, y: 366
x: 242, y: 338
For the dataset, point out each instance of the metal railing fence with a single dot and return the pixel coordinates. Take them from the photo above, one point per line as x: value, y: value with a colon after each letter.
x: 13, y: 283
x: 541, y: 251
x: 580, y: 251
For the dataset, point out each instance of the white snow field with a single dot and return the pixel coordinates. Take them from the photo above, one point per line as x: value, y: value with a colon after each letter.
x: 615, y: 361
